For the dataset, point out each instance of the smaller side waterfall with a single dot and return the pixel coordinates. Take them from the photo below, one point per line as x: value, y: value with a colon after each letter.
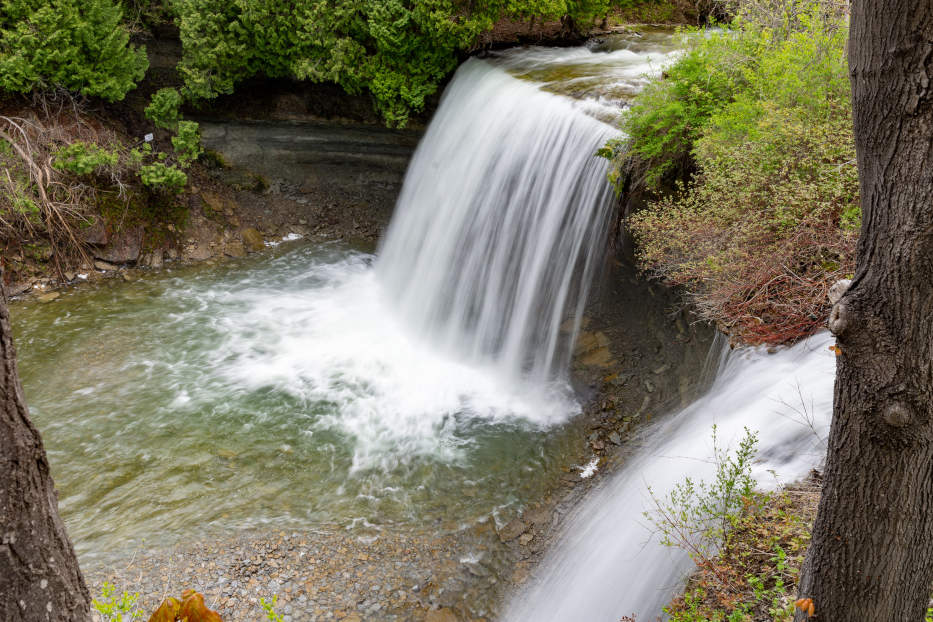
x: 606, y: 563
x: 500, y: 224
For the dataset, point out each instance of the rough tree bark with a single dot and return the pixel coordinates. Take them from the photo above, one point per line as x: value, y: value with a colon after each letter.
x: 39, y: 574
x: 871, y: 557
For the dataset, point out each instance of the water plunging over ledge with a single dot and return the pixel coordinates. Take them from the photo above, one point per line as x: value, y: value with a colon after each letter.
x: 318, y: 384
x: 500, y: 225
x: 425, y: 388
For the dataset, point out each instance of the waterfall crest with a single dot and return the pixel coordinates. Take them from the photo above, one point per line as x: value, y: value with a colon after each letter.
x: 500, y: 224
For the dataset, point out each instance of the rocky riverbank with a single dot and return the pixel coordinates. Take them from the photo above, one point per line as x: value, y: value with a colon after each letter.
x: 324, y: 574
x: 229, y: 212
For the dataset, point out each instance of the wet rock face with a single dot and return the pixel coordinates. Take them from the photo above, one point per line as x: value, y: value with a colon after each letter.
x: 327, y: 162
x: 252, y: 239
x: 123, y: 247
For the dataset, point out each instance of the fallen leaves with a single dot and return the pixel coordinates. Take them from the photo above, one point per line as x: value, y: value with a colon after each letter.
x: 190, y: 608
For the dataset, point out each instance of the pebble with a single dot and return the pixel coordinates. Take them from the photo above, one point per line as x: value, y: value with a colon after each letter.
x: 323, y: 574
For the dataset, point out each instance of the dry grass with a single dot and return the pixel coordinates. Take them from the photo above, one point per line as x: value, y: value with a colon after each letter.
x: 37, y: 201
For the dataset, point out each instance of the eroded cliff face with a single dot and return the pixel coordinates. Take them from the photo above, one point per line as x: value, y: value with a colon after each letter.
x: 339, y: 165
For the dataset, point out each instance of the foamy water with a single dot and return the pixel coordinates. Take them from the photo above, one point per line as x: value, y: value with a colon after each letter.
x: 319, y: 384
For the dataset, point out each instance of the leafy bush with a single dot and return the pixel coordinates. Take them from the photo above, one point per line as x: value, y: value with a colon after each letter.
x: 148, y: 13
x: 698, y: 516
x: 753, y: 129
x: 397, y: 50
x: 161, y: 176
x: 79, y: 45
x: 743, y: 571
x: 81, y: 158
x: 163, y: 108
x: 114, y: 608
x: 669, y: 116
x: 754, y: 575
x: 187, y: 143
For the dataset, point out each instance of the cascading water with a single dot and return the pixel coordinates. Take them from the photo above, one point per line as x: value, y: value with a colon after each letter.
x: 423, y: 388
x: 500, y: 224
x: 606, y: 562
x: 309, y: 387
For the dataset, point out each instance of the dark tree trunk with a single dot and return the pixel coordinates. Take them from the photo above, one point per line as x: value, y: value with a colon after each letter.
x: 39, y: 574
x: 871, y: 558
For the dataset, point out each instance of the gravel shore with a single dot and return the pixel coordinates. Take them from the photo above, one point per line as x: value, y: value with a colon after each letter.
x: 326, y: 574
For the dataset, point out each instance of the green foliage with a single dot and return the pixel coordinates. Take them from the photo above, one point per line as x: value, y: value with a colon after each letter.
x: 698, y: 516
x: 725, y: 77
x: 187, y: 143
x: 268, y: 606
x: 148, y: 13
x: 117, y: 608
x: 397, y: 50
x: 81, y: 158
x: 161, y: 176
x: 163, y: 108
x: 79, y: 45
x: 754, y: 576
x: 747, y: 545
x: 753, y: 130
x: 669, y: 116
x: 154, y: 169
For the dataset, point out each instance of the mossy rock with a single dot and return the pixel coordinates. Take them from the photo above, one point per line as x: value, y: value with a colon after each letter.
x: 253, y: 239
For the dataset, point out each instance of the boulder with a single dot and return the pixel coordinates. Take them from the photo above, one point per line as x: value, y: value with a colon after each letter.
x: 199, y: 251
x: 17, y: 289
x: 96, y: 234
x: 513, y: 529
x: 124, y: 247
x: 234, y: 248
x: 49, y: 297
x: 215, y: 204
x: 156, y: 258
x: 252, y: 239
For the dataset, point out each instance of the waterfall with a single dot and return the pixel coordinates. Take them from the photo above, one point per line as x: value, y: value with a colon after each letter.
x: 605, y: 563
x: 500, y: 225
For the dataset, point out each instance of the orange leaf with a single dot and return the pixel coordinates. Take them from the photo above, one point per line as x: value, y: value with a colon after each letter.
x: 167, y: 611
x: 194, y: 610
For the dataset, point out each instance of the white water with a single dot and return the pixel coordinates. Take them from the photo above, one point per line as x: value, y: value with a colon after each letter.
x: 606, y: 563
x: 500, y: 225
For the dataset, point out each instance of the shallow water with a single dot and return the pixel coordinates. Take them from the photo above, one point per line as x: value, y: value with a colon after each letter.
x: 270, y: 390
x: 603, y: 75
x: 307, y: 386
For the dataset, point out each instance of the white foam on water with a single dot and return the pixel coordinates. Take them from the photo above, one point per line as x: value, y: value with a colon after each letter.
x: 606, y: 562
x: 498, y: 230
x: 393, y: 393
